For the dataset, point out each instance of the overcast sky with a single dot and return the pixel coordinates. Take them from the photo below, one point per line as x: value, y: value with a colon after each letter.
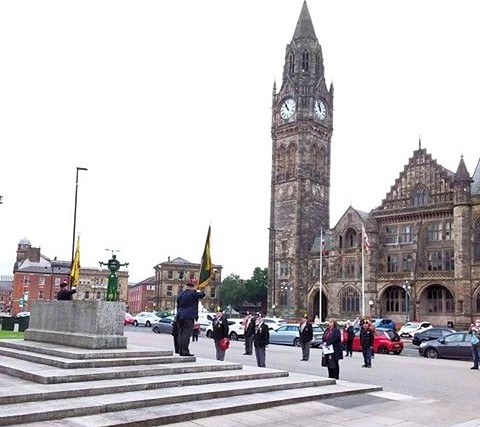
x: 168, y: 105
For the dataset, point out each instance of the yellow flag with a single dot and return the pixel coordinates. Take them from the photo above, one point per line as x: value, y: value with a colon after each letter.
x: 207, y: 272
x: 75, y: 273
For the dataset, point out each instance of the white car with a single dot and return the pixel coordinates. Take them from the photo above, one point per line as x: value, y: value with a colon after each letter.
x: 274, y: 323
x: 410, y: 328
x: 145, y: 318
x: 235, y: 329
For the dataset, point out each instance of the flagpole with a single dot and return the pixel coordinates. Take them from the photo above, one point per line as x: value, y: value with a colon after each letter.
x: 363, y: 275
x: 320, y: 284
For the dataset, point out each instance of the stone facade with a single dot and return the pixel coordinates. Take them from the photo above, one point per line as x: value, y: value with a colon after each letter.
x: 423, y: 259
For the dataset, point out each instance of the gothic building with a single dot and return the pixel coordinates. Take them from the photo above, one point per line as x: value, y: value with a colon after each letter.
x: 423, y: 259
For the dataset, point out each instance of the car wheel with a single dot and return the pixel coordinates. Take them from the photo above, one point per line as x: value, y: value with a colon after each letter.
x: 397, y: 352
x: 431, y: 353
x: 382, y: 349
x: 233, y: 336
x: 135, y: 323
x: 296, y: 342
x: 209, y: 334
x: 156, y: 330
x: 147, y: 324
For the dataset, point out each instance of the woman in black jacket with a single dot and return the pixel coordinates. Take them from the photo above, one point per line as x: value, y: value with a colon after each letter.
x: 333, y: 336
x: 220, y: 330
x: 367, y: 334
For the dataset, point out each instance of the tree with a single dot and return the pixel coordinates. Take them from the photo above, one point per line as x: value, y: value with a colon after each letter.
x: 232, y: 292
x: 256, y: 286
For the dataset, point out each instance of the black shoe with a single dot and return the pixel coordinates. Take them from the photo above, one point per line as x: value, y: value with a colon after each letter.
x: 473, y: 367
x: 187, y: 354
x: 369, y: 366
x: 364, y: 366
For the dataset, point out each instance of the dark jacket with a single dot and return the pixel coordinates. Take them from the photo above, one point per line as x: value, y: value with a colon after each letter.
x: 187, y: 304
x: 250, y: 329
x: 366, y: 337
x: 350, y: 333
x: 220, y: 328
x: 64, y: 294
x: 261, y: 337
x: 307, y: 333
x: 333, y: 336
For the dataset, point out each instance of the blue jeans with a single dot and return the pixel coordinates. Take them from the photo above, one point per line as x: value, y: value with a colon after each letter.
x: 367, y: 356
x: 476, y: 355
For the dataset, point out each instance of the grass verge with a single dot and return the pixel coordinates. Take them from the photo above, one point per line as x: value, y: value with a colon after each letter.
x: 8, y: 335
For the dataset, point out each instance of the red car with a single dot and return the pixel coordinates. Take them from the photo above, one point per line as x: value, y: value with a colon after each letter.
x: 128, y: 319
x: 385, y: 341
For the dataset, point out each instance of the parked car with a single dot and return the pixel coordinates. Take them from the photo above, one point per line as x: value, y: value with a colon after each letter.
x: 452, y: 346
x: 164, y: 325
x: 407, y: 330
x: 145, y: 318
x: 128, y: 320
x: 382, y: 323
x: 430, y: 334
x: 235, y: 329
x: 274, y: 322
x: 385, y: 341
x: 288, y: 334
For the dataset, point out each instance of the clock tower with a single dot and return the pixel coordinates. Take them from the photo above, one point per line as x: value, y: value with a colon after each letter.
x: 302, y: 125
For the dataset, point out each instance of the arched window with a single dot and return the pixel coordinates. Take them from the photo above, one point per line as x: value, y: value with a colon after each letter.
x: 476, y: 241
x: 305, y: 59
x: 315, y: 162
x: 281, y: 163
x: 351, y: 238
x: 477, y: 305
x: 394, y: 299
x: 439, y: 300
x: 291, y: 63
x: 317, y: 63
x: 350, y: 300
x: 392, y: 263
x: 292, y: 154
x: 420, y: 196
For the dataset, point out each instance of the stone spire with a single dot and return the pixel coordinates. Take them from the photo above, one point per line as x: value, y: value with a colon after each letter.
x: 304, y: 27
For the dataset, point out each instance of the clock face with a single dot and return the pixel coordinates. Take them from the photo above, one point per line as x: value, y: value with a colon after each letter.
x: 287, y: 109
x: 320, y: 109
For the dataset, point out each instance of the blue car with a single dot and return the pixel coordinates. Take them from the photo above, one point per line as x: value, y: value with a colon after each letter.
x: 384, y: 323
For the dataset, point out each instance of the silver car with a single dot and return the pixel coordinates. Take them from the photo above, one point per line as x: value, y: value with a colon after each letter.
x: 288, y: 334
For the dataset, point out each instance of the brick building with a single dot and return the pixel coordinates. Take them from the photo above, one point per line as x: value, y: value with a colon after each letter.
x: 424, y: 256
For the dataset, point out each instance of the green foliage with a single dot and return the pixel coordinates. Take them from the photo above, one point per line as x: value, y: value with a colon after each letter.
x: 236, y: 291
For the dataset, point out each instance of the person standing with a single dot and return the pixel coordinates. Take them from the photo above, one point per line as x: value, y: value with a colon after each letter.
x: 219, y: 332
x: 332, y: 336
x: 65, y: 294
x: 366, y: 341
x: 248, y: 332
x: 475, y: 341
x: 196, y: 331
x: 349, y: 336
x: 187, y: 312
x: 261, y: 339
x: 305, y: 330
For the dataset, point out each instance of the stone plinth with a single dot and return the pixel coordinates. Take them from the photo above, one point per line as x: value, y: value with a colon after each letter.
x: 78, y: 323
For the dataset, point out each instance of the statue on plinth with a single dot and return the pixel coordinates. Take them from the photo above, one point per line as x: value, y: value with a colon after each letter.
x: 112, y: 288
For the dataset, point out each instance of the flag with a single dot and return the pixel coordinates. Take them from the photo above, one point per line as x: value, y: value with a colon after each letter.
x: 207, y: 271
x: 366, y: 242
x: 75, y: 273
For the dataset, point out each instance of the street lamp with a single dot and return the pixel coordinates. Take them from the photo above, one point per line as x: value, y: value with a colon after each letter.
x: 407, y: 288
x: 288, y: 288
x: 273, y: 231
x: 370, y: 304
x: 75, y: 215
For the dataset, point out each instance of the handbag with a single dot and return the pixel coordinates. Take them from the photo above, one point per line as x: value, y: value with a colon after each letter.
x: 324, y: 360
x: 224, y: 344
x: 474, y: 340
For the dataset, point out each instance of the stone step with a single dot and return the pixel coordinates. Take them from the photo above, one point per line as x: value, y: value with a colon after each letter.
x: 52, y: 375
x: 59, y: 350
x: 61, y: 362
x: 199, y: 407
x: 230, y: 391
x: 39, y: 392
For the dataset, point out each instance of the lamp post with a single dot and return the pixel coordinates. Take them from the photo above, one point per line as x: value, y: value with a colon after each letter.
x: 273, y: 231
x: 370, y: 304
x: 75, y: 217
x: 407, y: 288
x: 288, y: 288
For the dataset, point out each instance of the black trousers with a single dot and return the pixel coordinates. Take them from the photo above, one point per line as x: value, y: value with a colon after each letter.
x: 334, y: 371
x: 185, y: 330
